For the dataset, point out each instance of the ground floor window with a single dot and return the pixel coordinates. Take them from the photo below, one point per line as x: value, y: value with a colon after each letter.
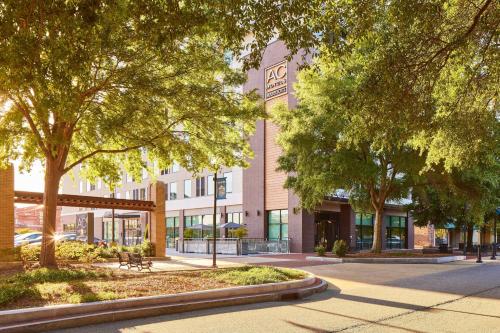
x: 172, y: 231
x: 364, y: 231
x: 277, y: 221
x: 132, y: 234
x: 107, y: 230
x: 395, y: 232
x: 205, y: 220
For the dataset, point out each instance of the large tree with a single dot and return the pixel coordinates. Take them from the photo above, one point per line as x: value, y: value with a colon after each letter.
x: 411, y: 79
x: 81, y: 81
x: 350, y: 132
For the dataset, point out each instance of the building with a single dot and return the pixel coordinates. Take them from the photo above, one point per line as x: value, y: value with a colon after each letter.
x: 256, y: 197
x: 31, y: 217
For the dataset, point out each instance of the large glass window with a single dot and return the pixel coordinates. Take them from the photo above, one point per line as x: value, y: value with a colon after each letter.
x: 200, y: 186
x: 364, y: 231
x: 173, y: 191
x: 229, y: 181
x: 277, y: 221
x: 107, y: 228
x: 131, y: 232
x: 210, y: 187
x: 187, y: 188
x: 395, y: 232
x: 172, y: 231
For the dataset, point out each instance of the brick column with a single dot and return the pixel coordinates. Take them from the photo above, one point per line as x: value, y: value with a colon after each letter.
x: 158, y: 228
x: 6, y: 208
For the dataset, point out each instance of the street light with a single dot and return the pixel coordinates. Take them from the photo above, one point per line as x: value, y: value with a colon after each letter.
x: 494, y: 251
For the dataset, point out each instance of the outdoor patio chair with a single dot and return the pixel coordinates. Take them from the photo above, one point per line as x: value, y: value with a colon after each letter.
x: 136, y: 260
x: 123, y: 259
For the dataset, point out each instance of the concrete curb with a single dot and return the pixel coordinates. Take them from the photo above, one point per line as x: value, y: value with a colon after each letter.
x: 65, y: 316
x: 325, y: 259
x: 421, y: 260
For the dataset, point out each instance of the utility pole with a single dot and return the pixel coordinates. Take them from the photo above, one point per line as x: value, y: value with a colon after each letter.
x: 214, y: 254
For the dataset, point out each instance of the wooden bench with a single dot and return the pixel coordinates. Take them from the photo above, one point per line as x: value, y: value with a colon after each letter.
x: 136, y: 260
x: 123, y: 259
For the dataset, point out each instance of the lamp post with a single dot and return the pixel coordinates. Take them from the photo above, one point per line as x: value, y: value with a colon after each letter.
x: 464, y: 228
x: 479, y: 259
x: 494, y: 251
x: 214, y: 254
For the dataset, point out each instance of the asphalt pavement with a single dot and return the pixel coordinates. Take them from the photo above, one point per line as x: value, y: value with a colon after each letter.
x: 456, y: 297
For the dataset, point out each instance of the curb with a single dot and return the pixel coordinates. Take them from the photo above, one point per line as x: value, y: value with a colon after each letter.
x: 66, y: 316
x: 325, y: 259
x: 428, y: 260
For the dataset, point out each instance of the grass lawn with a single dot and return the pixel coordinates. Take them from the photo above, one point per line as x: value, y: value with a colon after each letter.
x: 80, y: 284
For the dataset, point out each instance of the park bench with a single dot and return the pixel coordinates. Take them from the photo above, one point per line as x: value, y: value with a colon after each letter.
x: 134, y: 260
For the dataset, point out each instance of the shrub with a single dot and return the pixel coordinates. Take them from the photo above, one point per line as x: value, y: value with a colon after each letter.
x: 73, y: 250
x: 9, y: 292
x: 240, y: 232
x: 25, y: 230
x: 320, y: 250
x: 250, y: 275
x: 188, y: 233
x: 147, y: 249
x: 30, y: 253
x: 340, y: 248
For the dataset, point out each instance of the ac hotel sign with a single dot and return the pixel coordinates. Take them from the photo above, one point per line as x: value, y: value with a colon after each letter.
x: 276, y: 80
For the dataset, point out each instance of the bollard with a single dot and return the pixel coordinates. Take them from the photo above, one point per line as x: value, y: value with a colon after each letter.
x: 479, y: 259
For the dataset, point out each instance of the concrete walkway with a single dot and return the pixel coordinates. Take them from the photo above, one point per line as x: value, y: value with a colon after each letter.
x: 455, y: 297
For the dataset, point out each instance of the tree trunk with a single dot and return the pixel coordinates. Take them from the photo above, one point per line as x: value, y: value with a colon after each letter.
x: 52, y: 178
x: 377, y: 231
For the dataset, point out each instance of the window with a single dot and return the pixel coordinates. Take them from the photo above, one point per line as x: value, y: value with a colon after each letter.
x: 229, y: 181
x: 81, y: 186
x: 142, y: 194
x: 118, y: 195
x: 210, y: 190
x: 364, y: 231
x: 69, y: 227
x: 175, y: 167
x: 135, y: 194
x: 164, y: 171
x: 172, y: 195
x: 235, y: 218
x: 200, y: 186
x: 99, y: 183
x: 187, y: 188
x: 172, y: 231
x: 395, y: 232
x: 144, y: 173
x: 127, y: 195
x: 277, y: 224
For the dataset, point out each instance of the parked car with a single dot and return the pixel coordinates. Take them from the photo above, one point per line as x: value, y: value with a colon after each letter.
x: 66, y: 237
x: 28, y: 238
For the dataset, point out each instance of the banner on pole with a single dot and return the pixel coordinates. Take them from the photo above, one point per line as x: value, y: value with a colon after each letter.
x: 220, y: 188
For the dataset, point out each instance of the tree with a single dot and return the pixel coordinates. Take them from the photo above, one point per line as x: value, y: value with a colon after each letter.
x: 426, y: 68
x: 349, y: 132
x: 106, y: 83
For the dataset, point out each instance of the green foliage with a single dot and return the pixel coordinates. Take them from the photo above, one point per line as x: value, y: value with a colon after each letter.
x: 30, y: 253
x: 340, y: 248
x: 320, y: 250
x: 24, y: 230
x: 188, y: 233
x: 241, y: 232
x: 23, y: 284
x: 250, y: 275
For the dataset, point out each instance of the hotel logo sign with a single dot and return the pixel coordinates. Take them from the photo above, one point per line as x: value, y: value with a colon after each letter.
x: 276, y: 80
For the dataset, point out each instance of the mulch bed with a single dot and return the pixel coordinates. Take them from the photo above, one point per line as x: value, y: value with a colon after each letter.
x: 121, y: 284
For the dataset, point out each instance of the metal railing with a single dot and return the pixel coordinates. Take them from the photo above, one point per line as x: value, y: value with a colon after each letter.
x: 233, y: 246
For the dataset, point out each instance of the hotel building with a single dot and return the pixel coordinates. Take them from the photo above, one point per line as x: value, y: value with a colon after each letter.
x: 256, y: 197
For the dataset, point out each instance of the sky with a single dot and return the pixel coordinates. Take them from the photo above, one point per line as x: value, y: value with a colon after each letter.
x: 32, y: 181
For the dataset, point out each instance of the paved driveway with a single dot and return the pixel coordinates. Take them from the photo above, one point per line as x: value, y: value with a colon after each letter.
x: 456, y: 297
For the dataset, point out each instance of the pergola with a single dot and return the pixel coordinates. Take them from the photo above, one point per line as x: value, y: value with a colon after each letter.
x: 156, y: 207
